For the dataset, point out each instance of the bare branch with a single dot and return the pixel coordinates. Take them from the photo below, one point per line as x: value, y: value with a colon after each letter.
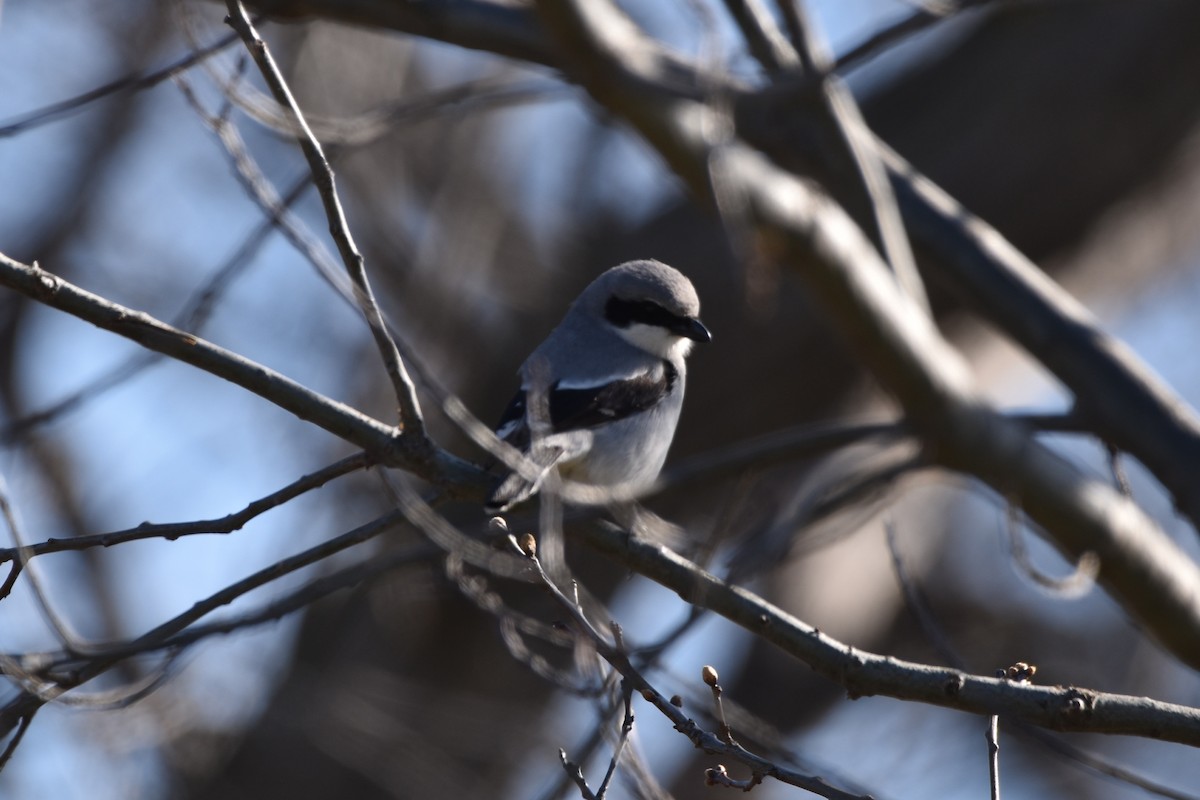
x: 575, y: 773
x: 765, y: 41
x: 851, y: 157
x: 1124, y: 400
x: 227, y: 524
x: 70, y: 670
x: 864, y: 673
x: 58, y: 623
x: 381, y: 441
x: 993, y: 745
x: 1078, y: 757
x: 891, y: 332
x: 194, y: 317
x: 879, y: 42
x: 133, y: 83
x: 1121, y: 398
x: 622, y: 739
x: 612, y: 652
x: 264, y: 195
x: 406, y: 393
x: 1078, y: 583
x: 15, y: 741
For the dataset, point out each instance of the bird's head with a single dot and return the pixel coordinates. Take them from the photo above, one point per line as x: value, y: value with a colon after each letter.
x: 652, y: 306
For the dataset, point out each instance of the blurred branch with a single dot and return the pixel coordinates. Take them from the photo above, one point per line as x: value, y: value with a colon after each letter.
x: 1146, y: 571
x: 780, y: 446
x: 181, y: 631
x: 918, y: 606
x: 15, y: 740
x: 194, y: 317
x: 130, y: 83
x: 62, y: 629
x: 263, y: 193
x: 763, y: 38
x: 406, y: 394
x: 1078, y: 583
x: 1117, y: 394
x: 303, y: 597
x: 507, y: 30
x: 863, y: 673
x: 613, y: 652
x: 849, y: 163
x: 1123, y: 400
x: 69, y: 670
x: 925, y: 17
x: 382, y: 442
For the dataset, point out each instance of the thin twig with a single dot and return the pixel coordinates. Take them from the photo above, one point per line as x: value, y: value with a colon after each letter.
x: 174, y: 530
x: 855, y: 144
x: 764, y: 39
x: 58, y: 623
x: 993, y: 742
x: 1079, y: 582
x: 575, y: 773
x: 135, y: 82
x: 194, y: 317
x: 301, y: 598
x: 1081, y: 759
x: 15, y: 741
x: 709, y: 676
x: 323, y: 177
x: 70, y: 670
x: 104, y: 700
x: 917, y: 603
x: 263, y: 193
x: 614, y: 655
x: 622, y: 739
x: 886, y: 37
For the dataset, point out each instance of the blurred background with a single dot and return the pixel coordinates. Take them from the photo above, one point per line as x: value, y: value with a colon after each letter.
x: 484, y: 194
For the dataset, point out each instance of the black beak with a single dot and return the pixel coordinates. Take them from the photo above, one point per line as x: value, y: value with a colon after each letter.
x: 693, y: 329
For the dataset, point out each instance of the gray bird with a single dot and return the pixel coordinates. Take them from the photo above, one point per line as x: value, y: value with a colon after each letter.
x: 606, y: 385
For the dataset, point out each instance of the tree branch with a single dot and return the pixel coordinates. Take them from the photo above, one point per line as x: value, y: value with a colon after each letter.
x: 1124, y: 401
x: 893, y: 337
x: 457, y: 477
x: 174, y: 530
x: 406, y: 394
x: 1062, y: 708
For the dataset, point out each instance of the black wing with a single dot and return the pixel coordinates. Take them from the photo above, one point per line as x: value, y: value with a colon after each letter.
x: 575, y: 409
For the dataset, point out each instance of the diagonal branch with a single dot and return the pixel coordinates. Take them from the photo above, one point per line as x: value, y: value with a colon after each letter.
x: 339, y: 229
x: 894, y: 338
x: 863, y: 673
x: 862, y: 186
x: 383, y: 442
x: 129, y: 83
x: 611, y: 649
x: 1117, y: 394
x: 1123, y: 401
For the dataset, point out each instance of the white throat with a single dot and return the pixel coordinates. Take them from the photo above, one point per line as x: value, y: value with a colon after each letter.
x: 656, y: 340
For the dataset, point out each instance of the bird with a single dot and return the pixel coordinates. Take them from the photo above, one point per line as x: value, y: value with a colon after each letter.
x: 605, y: 386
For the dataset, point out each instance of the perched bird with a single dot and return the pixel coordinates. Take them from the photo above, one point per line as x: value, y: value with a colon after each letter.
x: 606, y: 386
